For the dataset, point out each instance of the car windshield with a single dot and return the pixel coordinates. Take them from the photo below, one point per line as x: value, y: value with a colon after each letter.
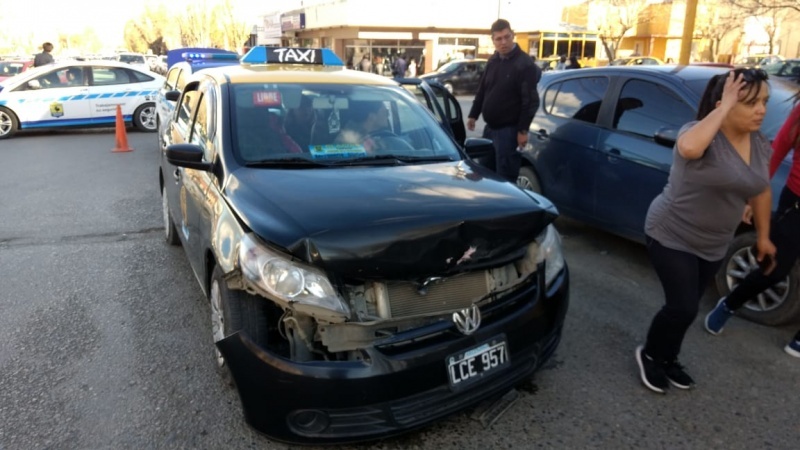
x: 778, y: 107
x: 293, y: 124
x: 132, y: 59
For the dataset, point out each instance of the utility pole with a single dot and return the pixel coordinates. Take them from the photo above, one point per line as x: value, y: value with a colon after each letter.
x: 688, y: 31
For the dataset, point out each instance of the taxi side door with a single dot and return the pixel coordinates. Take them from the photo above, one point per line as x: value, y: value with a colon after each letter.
x: 50, y: 100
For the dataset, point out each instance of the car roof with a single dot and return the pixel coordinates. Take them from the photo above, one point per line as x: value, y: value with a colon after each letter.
x: 687, y: 73
x: 36, y: 71
x: 294, y: 73
x: 194, y: 66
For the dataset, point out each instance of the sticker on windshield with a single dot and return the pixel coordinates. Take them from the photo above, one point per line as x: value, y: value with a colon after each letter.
x: 266, y: 98
x: 337, y: 151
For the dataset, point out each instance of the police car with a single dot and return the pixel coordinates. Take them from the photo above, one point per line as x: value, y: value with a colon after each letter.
x: 78, y: 94
x: 181, y: 64
x: 365, y: 276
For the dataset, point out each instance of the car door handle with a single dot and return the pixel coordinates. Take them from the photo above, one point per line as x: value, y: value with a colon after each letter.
x: 542, y: 134
x: 614, y: 152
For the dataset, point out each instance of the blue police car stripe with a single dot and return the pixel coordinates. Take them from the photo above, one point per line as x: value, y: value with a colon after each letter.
x: 74, y: 122
x: 81, y: 97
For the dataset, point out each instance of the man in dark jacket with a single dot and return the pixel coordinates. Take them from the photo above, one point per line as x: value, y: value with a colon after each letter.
x: 507, y: 98
x: 45, y: 57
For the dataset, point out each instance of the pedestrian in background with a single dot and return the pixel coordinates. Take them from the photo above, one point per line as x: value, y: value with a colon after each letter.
x: 562, y: 63
x: 784, y: 233
x: 44, y: 57
x: 365, y: 65
x: 573, y: 63
x: 412, y: 68
x: 507, y: 98
x: 720, y: 164
x: 399, y: 67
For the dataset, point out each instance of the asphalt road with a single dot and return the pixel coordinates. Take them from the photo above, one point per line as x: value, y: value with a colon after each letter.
x: 106, y: 339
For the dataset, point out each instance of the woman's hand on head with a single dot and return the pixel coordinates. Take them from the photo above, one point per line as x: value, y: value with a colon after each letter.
x: 732, y: 91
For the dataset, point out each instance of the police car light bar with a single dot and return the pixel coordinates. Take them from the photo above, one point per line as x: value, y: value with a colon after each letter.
x: 189, y: 56
x: 292, y: 55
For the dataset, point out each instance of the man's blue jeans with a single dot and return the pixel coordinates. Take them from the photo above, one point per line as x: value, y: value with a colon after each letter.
x: 507, y: 158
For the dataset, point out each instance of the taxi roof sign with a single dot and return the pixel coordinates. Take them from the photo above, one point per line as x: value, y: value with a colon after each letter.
x: 292, y: 55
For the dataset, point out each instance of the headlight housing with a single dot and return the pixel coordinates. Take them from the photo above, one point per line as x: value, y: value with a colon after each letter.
x: 303, y: 287
x: 550, y: 252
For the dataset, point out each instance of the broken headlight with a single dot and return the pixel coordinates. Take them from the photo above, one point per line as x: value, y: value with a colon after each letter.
x: 304, y: 287
x: 550, y: 252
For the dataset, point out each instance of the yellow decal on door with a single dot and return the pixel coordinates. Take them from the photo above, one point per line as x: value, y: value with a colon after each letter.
x: 56, y: 109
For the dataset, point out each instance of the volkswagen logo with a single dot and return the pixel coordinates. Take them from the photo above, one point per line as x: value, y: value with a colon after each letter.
x: 467, y: 320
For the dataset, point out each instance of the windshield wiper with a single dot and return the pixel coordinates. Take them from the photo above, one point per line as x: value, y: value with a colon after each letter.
x: 392, y: 159
x: 285, y: 162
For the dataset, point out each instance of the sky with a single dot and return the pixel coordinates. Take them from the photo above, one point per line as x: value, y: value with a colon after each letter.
x: 106, y: 17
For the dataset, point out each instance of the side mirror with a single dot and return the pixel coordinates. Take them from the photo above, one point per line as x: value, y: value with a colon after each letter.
x: 666, y: 136
x: 187, y: 155
x: 173, y: 95
x: 34, y: 84
x: 478, y: 148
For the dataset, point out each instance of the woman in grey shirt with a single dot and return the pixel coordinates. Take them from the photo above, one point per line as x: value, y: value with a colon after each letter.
x: 720, y: 164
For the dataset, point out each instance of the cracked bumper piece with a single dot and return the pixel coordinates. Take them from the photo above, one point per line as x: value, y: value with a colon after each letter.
x: 390, y: 392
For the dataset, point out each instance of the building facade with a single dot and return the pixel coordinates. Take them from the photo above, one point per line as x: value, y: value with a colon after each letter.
x: 429, y: 32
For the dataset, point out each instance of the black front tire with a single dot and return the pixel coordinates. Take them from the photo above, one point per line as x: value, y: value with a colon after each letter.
x: 778, y: 305
x: 234, y: 311
x: 170, y: 231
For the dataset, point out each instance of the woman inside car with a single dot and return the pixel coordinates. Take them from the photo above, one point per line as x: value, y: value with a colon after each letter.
x: 720, y: 164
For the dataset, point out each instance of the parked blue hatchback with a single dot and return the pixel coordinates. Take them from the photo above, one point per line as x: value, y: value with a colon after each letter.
x: 602, y: 149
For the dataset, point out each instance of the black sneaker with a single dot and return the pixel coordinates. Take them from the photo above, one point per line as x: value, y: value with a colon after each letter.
x: 652, y: 372
x: 677, y: 376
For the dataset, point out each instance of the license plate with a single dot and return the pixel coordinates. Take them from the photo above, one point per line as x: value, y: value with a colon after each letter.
x: 467, y: 367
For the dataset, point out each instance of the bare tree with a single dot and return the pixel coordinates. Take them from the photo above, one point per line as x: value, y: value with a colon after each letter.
x: 147, y: 32
x: 233, y: 31
x: 769, y: 14
x: 765, y: 5
x: 718, y: 18
x: 621, y: 16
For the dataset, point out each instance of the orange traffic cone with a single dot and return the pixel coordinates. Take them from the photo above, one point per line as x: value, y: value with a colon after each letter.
x: 122, y: 135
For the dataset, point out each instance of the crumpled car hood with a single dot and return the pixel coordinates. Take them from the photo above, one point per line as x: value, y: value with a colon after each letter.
x: 390, y: 222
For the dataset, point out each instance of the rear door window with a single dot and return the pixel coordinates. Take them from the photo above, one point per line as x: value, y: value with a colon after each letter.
x: 578, y: 98
x: 644, y: 107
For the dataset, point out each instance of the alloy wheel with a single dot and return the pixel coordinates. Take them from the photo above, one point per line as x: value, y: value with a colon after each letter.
x: 741, y: 263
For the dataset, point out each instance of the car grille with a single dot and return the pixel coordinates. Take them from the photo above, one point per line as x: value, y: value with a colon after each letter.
x: 406, y: 299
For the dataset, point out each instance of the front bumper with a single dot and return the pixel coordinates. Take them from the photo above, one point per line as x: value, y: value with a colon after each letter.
x: 395, y: 388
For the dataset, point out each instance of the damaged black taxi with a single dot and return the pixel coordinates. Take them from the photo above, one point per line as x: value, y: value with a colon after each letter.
x: 366, y: 277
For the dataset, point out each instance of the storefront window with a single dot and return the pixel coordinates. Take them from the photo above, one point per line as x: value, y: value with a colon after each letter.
x: 450, y: 49
x: 378, y: 55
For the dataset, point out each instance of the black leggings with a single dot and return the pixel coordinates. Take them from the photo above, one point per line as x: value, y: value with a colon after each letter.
x: 684, y: 278
x: 785, y: 234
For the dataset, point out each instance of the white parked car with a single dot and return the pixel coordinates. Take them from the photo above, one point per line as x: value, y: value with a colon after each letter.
x: 78, y: 94
x: 134, y: 59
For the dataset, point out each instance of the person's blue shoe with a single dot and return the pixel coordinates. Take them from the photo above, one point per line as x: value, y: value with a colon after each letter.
x: 793, y: 348
x: 715, y: 320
